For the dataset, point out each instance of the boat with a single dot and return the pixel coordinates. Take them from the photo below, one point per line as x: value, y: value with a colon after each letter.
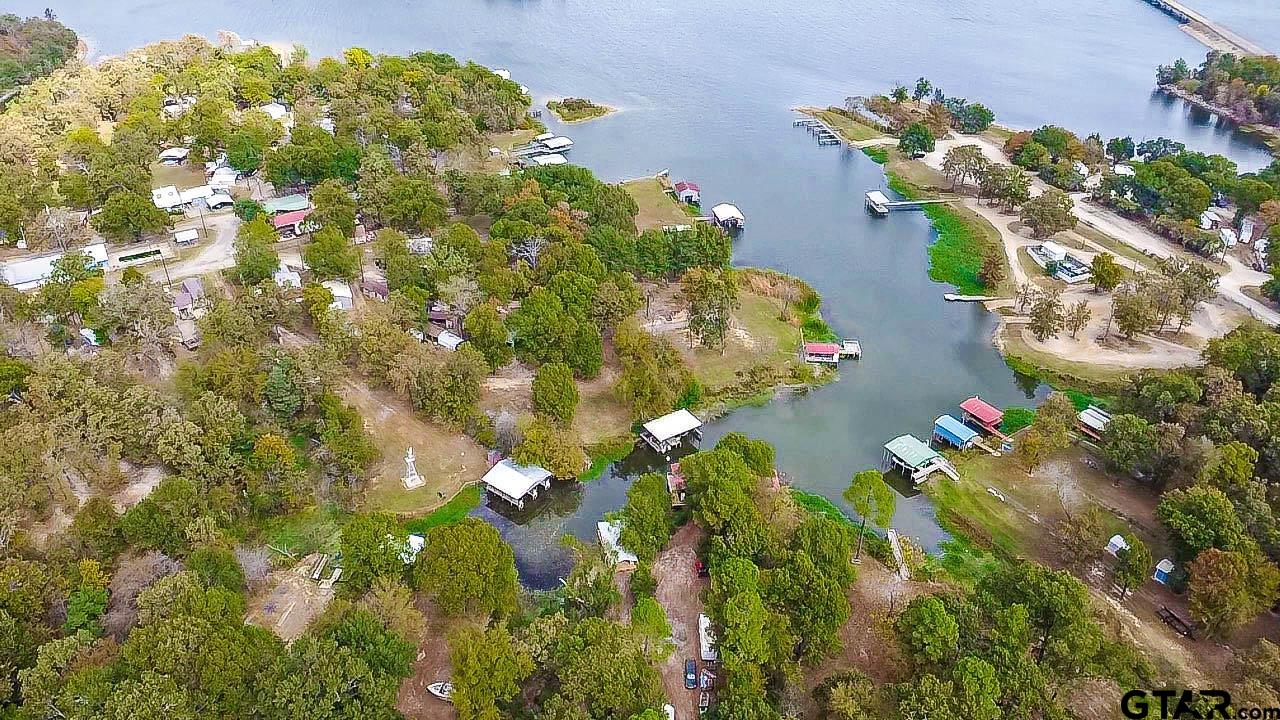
x: 704, y: 702
x: 442, y: 690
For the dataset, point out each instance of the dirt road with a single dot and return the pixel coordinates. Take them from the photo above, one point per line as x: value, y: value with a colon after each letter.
x: 217, y: 251
x: 679, y: 592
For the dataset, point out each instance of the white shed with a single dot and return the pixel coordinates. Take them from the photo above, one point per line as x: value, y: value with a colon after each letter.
x: 1116, y: 544
x: 186, y: 237
x: 448, y: 340
x: 166, y: 198
x: 666, y: 432
x: 516, y: 483
x: 728, y: 216
x: 174, y: 156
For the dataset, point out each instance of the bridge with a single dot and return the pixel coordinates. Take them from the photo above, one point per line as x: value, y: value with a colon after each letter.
x: 1209, y: 32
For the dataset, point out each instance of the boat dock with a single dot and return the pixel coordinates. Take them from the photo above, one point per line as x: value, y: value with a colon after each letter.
x: 879, y: 204
x: 820, y: 130
x: 1212, y: 34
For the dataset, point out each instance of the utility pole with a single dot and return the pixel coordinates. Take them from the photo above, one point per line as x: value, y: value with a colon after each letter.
x: 167, y: 283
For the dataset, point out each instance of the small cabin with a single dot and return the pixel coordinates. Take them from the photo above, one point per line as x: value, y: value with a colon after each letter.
x: 186, y: 237
x: 516, y: 483
x: 816, y: 352
x: 342, y: 298
x: 1093, y: 421
x: 666, y: 433
x: 688, y: 193
x: 292, y: 223
x: 1115, y: 545
x: 610, y: 536
x: 174, y: 156
x: 1164, y: 571
x: 951, y: 431
x: 728, y: 216
x: 374, y: 289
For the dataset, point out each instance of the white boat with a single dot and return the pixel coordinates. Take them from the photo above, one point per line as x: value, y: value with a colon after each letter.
x: 442, y: 690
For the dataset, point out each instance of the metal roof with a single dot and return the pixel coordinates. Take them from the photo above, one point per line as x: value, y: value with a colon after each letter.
x: 672, y: 425
x: 727, y: 211
x: 610, y: 534
x: 1095, y: 418
x: 982, y: 411
x: 911, y: 450
x: 514, y: 480
x: 877, y: 197
x: 286, y: 204
x: 954, y: 430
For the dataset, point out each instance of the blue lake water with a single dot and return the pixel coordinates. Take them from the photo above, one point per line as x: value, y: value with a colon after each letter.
x: 705, y: 90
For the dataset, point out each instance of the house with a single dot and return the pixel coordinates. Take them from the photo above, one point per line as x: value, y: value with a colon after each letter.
x: 1164, y: 571
x: 219, y: 200
x: 816, y: 352
x: 166, y: 198
x: 1059, y: 263
x: 610, y: 534
x: 199, y: 192
x: 374, y: 289
x: 516, y: 483
x: 176, y: 107
x: 706, y: 640
x: 186, y: 237
x: 1252, y: 229
x: 326, y: 124
x: 1228, y: 237
x: 1092, y: 421
x: 1124, y: 170
x: 188, y: 301
x: 667, y: 432
x: 286, y: 277
x: 728, y: 216
x: 1115, y: 545
x: 342, y: 298
x: 445, y: 316
x: 292, y: 223
x: 223, y: 178
x: 30, y: 273
x: 687, y: 192
x: 288, y: 203
x: 174, y: 156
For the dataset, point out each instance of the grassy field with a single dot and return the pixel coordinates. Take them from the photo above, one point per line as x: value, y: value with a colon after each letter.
x: 458, y: 507
x: 850, y: 129
x: 657, y: 208
x: 879, y: 153
x: 605, y: 453
x: 1059, y: 372
x: 760, y: 338
x: 313, y: 529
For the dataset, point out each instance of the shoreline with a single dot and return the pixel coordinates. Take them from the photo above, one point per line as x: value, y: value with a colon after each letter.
x: 608, y: 110
x: 1267, y: 135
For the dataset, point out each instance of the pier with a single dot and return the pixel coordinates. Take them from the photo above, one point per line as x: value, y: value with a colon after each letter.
x: 820, y: 130
x: 878, y: 204
x: 1212, y: 34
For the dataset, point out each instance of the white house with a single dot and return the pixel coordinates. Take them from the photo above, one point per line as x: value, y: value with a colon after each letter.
x: 223, y: 178
x: 30, y: 273
x: 219, y: 200
x: 166, y: 198
x: 278, y: 112
x: 174, y: 156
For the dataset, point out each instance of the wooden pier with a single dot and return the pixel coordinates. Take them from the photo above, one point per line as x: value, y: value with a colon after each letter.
x: 878, y: 204
x: 1211, y: 33
x: 822, y: 132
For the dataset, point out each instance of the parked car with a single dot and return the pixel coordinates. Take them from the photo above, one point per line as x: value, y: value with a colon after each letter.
x: 690, y: 674
x: 702, y: 569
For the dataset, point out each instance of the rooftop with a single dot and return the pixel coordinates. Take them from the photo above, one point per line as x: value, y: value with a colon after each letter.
x: 911, y: 450
x: 819, y: 348
x: 287, y: 203
x: 289, y: 218
x: 954, y: 429
x: 982, y: 411
x: 672, y: 425
x: 514, y: 480
x: 727, y: 211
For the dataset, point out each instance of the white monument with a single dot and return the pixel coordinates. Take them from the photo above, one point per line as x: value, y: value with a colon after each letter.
x: 411, y: 477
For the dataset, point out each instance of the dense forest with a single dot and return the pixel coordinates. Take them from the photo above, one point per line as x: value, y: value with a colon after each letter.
x: 1247, y: 88
x: 32, y: 47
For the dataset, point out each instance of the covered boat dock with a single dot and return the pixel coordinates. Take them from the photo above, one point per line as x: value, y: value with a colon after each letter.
x: 983, y: 414
x: 667, y: 432
x: 915, y: 459
x: 516, y: 483
x: 953, y: 432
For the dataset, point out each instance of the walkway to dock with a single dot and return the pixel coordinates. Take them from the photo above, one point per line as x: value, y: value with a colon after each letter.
x: 904, y: 572
x: 1213, y: 34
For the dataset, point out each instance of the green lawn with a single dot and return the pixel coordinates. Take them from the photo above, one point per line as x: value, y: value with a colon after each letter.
x: 313, y: 529
x: 764, y: 340
x: 457, y: 508
x: 604, y: 454
x: 850, y: 129
x: 656, y: 207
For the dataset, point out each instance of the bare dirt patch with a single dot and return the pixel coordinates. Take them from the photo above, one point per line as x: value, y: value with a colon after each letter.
x: 431, y: 665
x: 290, y: 602
x: 680, y: 594
x: 142, y: 481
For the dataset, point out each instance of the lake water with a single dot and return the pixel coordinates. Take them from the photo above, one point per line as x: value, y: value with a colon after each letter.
x: 705, y: 90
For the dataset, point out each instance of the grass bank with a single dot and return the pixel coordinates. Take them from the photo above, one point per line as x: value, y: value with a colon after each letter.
x: 849, y: 127
x: 878, y: 153
x: 458, y: 507
x: 655, y: 207
x: 875, y: 545
x: 605, y: 453
x: 577, y: 109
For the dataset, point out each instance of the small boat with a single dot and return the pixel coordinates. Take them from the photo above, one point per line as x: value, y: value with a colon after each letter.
x: 704, y: 702
x: 442, y: 690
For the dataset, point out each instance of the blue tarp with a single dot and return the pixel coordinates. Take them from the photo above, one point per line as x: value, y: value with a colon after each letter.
x: 953, y: 431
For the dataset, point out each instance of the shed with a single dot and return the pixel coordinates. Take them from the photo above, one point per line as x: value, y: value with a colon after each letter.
x: 1053, y: 251
x: 448, y: 340
x: 913, y: 457
x: 30, y: 273
x: 198, y: 192
x: 288, y: 203
x: 706, y: 640
x: 728, y: 216
x: 516, y: 483
x: 665, y: 433
x: 224, y: 177
x: 1164, y: 571
x: 610, y: 535
x: 950, y: 430
x: 687, y: 192
x: 1092, y: 421
x: 174, y: 156
x: 294, y: 221
x: 1115, y: 545
x: 186, y: 237
x: 166, y: 198
x: 817, y: 352
x: 982, y: 413
x: 342, y: 299
x: 219, y: 200
x: 374, y: 289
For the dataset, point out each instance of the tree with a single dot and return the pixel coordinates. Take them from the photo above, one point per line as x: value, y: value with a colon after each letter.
x: 648, y: 520
x: 916, y: 140
x: 1128, y: 442
x: 922, y: 90
x: 1077, y: 317
x: 1134, y: 564
x: 927, y: 630
x: 555, y: 448
x: 1082, y: 536
x: 1049, y: 431
x: 1225, y: 591
x: 1106, y: 271
x: 554, y: 393
x: 331, y: 256
x: 1200, y: 518
x: 256, y: 258
x: 333, y: 207
x: 992, y: 272
x: 126, y: 216
x: 649, y: 620
x: 977, y: 689
x: 1188, y: 198
x: 1132, y: 310
x: 1046, y: 315
x: 964, y: 162
x: 488, y: 668
x: 899, y: 94
x: 1049, y: 212
x: 1121, y: 149
x: 217, y: 566
x: 372, y: 545
x: 711, y: 296
x: 468, y: 569
x: 873, y: 500
x: 488, y: 334
x: 1033, y: 156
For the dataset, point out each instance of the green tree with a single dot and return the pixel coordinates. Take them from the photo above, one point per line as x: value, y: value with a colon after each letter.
x: 333, y: 207
x: 711, y: 296
x: 927, y: 630
x: 1033, y: 156
x: 1128, y: 442
x: 468, y: 569
x: 873, y: 500
x: 1049, y: 431
x: 1134, y: 564
x: 1047, y: 317
x: 488, y: 668
x: 1226, y: 592
x: 648, y: 520
x: 977, y: 689
x: 554, y: 393
x: 256, y: 258
x: 1049, y: 212
x: 1106, y: 272
x: 916, y: 140
x: 449, y: 391
x: 1200, y: 518
x: 126, y: 216
x: 488, y: 333
x: 649, y: 620
x: 217, y: 566
x: 372, y: 546
x: 331, y: 256
x: 555, y: 448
